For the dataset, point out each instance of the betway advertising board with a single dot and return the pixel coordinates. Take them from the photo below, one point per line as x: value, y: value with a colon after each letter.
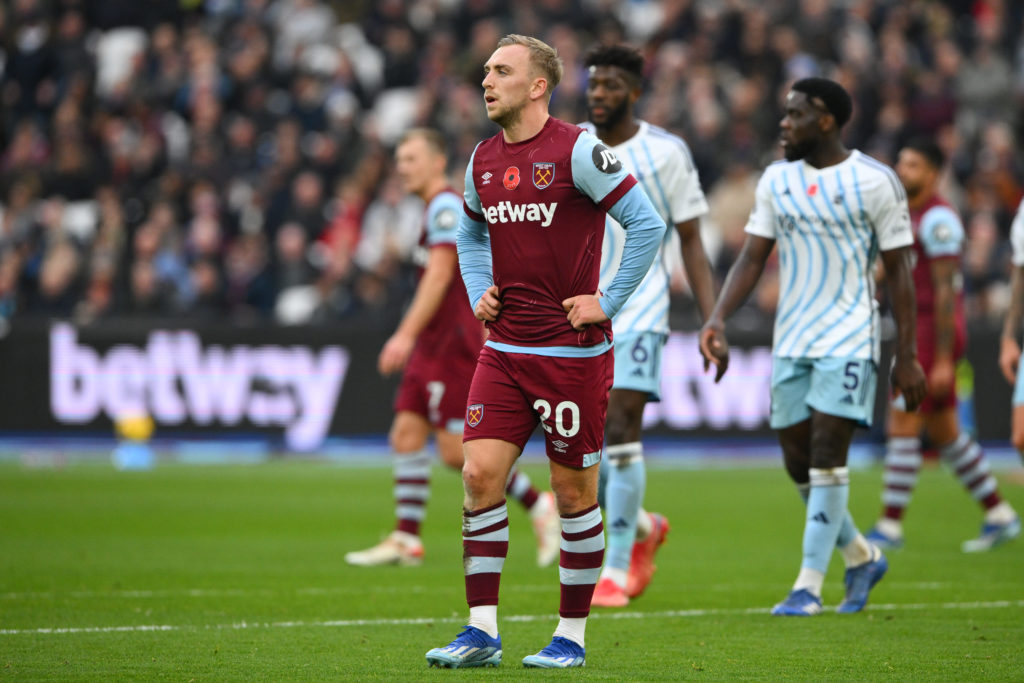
x: 177, y: 379
x: 294, y: 386
x: 298, y: 386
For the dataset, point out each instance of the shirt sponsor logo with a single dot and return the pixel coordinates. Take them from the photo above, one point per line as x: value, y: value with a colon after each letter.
x: 509, y: 212
x: 511, y: 178
x: 788, y: 222
x: 543, y: 174
x: 605, y: 160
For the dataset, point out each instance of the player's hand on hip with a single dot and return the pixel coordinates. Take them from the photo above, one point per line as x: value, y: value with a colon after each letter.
x: 489, y: 306
x: 395, y: 354
x: 1009, y: 358
x: 715, y: 348
x: 908, y: 377
x: 583, y: 310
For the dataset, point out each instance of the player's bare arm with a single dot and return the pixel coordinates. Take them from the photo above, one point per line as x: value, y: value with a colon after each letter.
x: 489, y: 306
x: 430, y: 291
x: 942, y: 376
x: 1009, y: 347
x: 698, y: 268
x: 584, y: 310
x: 739, y: 283
x: 907, y: 375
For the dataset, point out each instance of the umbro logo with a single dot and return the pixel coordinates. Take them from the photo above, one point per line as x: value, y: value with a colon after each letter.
x: 620, y: 523
x: 486, y: 177
x: 820, y: 517
x: 786, y: 193
x: 559, y: 445
x: 848, y: 399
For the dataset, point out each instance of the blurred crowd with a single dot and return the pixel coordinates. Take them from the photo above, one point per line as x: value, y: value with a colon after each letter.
x: 231, y: 159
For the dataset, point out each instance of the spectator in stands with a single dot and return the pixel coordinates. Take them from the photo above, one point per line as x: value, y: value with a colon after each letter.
x: 270, y: 107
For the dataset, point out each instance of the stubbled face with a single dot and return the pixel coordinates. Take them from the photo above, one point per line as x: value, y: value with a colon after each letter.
x: 800, y: 130
x: 416, y: 164
x: 610, y: 95
x: 507, y: 83
x: 914, y: 171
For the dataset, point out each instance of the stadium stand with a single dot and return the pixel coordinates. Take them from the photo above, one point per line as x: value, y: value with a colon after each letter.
x: 230, y: 159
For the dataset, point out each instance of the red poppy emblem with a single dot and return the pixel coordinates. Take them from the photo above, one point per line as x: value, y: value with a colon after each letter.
x: 511, y: 178
x: 812, y: 190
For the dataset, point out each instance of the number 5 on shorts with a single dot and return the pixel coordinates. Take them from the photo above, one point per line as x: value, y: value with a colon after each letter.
x: 561, y: 410
x: 856, y: 375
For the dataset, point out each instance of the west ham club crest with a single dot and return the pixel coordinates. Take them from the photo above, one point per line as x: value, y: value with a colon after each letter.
x: 474, y: 414
x: 543, y: 174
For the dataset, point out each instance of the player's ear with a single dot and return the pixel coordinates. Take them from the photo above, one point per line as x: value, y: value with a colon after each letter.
x: 539, y: 88
x: 827, y: 123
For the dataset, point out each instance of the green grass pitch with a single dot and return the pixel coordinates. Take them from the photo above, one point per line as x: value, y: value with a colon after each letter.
x: 236, y: 573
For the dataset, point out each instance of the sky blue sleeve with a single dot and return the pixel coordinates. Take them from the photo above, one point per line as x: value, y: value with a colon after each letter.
x: 443, y: 218
x: 645, y: 230
x: 941, y: 232
x: 596, y: 171
x: 474, y: 243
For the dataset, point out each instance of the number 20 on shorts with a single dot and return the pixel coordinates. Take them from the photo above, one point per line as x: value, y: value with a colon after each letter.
x: 566, y: 411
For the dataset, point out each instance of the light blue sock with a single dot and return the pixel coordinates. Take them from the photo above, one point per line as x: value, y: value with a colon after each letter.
x: 826, y: 510
x: 624, y: 494
x: 847, y: 532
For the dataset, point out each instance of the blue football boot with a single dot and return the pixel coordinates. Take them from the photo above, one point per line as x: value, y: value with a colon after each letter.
x: 799, y: 603
x: 472, y: 647
x: 562, y: 653
x: 859, y: 581
x: 992, y: 535
x: 883, y: 541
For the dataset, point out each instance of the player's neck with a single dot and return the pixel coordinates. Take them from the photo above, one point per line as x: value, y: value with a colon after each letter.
x: 827, y: 154
x: 528, y: 125
x: 916, y: 201
x: 433, y: 188
x: 619, y: 133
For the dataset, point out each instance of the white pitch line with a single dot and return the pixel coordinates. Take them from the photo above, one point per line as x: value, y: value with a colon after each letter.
x: 238, y: 593
x: 345, y: 590
x: 520, y: 618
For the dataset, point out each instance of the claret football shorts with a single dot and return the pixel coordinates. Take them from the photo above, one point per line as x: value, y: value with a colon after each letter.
x: 512, y: 393
x: 926, y: 356
x: 436, y: 389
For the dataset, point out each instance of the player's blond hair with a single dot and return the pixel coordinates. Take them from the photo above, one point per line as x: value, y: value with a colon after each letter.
x: 435, y: 141
x: 543, y: 57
